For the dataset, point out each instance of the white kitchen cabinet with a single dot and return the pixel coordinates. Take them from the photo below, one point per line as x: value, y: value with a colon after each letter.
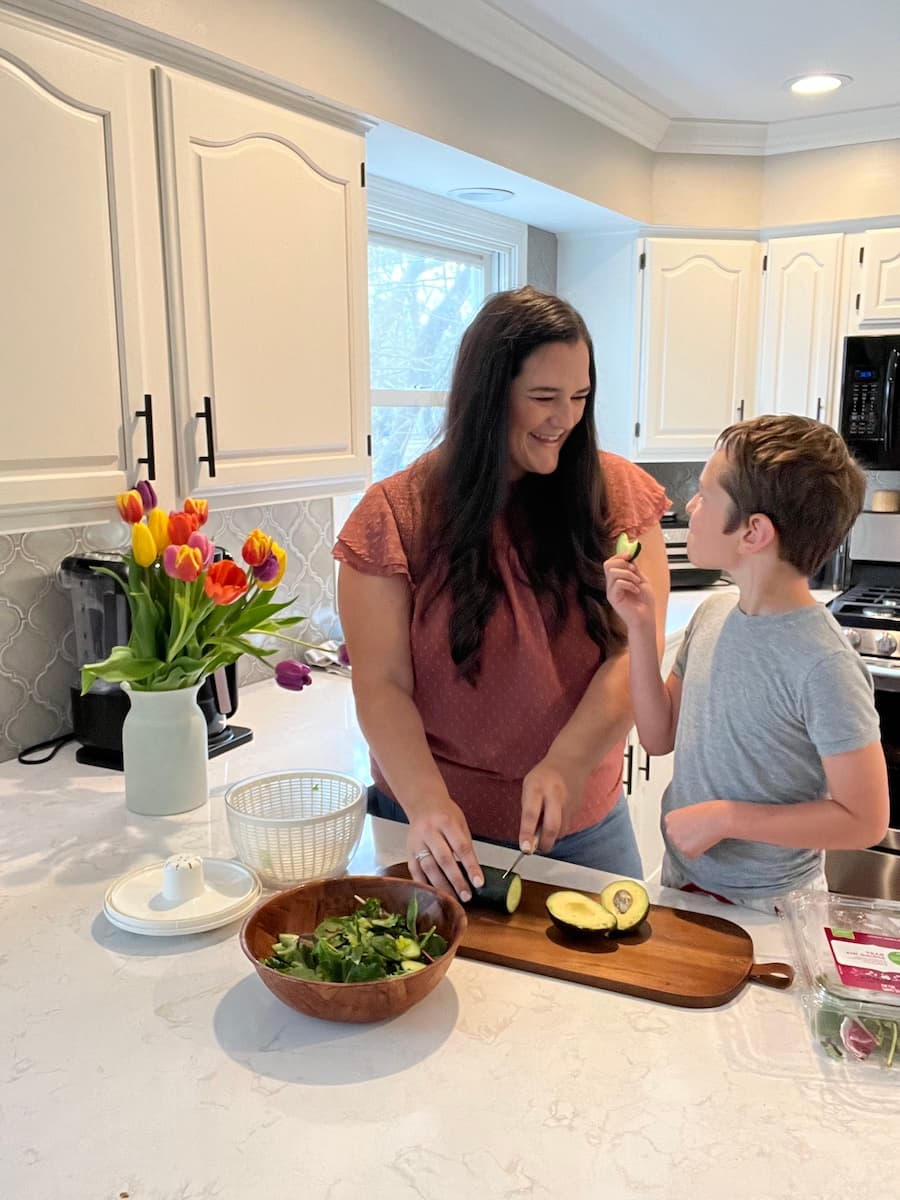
x: 877, y: 300
x: 265, y: 235
x: 797, y: 334
x: 645, y: 778
x: 698, y: 332
x: 172, y: 239
x: 82, y: 319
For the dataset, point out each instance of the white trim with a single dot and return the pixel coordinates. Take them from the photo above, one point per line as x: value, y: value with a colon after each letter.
x: 407, y: 398
x: 714, y: 137
x: 167, y: 51
x: 407, y: 212
x: 477, y: 27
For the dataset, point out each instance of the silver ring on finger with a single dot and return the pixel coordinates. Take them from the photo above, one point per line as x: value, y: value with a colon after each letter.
x: 420, y: 854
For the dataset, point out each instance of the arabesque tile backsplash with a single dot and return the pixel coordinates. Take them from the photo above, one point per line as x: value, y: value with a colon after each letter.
x: 37, y: 661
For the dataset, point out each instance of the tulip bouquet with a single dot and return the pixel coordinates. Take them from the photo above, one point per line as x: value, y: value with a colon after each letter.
x: 192, y: 613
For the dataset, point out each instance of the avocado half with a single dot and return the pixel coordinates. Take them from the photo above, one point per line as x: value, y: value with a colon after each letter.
x: 624, y: 545
x: 496, y: 892
x: 627, y: 901
x: 576, y: 913
x: 621, y: 908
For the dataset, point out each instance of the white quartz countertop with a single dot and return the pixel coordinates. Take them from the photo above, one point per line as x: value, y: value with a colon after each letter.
x: 162, y: 1069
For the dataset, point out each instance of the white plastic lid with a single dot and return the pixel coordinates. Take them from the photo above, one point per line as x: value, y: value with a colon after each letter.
x: 184, y: 894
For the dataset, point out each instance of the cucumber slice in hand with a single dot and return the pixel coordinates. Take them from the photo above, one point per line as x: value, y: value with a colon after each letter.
x: 624, y: 545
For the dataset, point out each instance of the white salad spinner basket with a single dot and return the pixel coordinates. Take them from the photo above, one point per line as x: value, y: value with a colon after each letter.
x: 295, y: 826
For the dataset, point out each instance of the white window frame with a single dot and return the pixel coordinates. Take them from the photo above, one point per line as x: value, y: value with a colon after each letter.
x: 428, y: 222
x: 432, y: 222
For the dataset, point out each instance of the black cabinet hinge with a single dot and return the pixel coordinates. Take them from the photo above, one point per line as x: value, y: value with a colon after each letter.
x: 362, y: 174
x: 765, y: 262
x: 857, y: 301
x: 642, y: 261
x: 369, y: 445
x: 637, y: 429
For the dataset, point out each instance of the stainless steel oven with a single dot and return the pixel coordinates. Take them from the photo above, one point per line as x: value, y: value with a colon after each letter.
x: 869, y: 612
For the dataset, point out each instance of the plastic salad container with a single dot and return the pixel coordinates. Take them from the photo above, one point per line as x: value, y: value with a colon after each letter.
x: 847, y: 954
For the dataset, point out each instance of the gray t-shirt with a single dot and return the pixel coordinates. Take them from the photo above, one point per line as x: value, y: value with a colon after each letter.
x: 764, y: 699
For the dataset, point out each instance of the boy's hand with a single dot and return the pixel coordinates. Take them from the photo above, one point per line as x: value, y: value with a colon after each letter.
x: 693, y: 831
x: 628, y: 592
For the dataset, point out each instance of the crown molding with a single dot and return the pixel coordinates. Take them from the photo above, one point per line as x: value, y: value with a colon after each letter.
x: 714, y: 137
x: 480, y: 29
x: 836, y: 129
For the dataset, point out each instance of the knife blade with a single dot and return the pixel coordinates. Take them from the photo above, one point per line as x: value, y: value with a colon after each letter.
x: 522, y: 853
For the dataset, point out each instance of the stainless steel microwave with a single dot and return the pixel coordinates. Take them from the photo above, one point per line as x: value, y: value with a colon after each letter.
x: 870, y: 402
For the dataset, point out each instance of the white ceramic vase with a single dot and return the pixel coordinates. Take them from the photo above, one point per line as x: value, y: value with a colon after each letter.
x: 164, y: 748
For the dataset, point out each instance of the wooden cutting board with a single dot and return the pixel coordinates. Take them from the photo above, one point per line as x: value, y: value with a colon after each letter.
x: 676, y: 957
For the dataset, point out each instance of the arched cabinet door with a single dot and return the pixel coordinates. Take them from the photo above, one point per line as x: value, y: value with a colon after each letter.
x: 798, y: 326
x: 698, y: 336
x: 265, y: 251
x: 82, y: 319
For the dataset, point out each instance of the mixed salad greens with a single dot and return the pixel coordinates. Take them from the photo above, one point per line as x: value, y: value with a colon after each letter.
x: 368, y: 944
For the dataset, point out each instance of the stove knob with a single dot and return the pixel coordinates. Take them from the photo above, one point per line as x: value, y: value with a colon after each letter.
x: 854, y: 638
x: 886, y: 644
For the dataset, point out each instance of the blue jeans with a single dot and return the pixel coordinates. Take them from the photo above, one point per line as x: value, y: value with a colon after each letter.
x: 610, y: 845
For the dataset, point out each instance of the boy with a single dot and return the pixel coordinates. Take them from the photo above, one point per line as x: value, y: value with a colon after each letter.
x: 769, y: 710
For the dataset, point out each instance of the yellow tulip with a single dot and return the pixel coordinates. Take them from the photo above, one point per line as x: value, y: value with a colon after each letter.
x: 143, y: 545
x: 276, y: 579
x: 158, y: 521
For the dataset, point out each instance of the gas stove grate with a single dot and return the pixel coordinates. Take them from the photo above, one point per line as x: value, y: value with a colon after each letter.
x: 873, y: 601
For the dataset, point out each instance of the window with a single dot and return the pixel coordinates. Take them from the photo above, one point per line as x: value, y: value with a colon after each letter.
x: 431, y: 264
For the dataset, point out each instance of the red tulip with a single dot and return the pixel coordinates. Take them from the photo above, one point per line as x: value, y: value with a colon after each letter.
x: 256, y: 549
x: 198, y: 509
x: 225, y: 582
x: 130, y: 506
x: 181, y: 526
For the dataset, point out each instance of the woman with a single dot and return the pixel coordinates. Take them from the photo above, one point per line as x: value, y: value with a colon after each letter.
x: 488, y: 669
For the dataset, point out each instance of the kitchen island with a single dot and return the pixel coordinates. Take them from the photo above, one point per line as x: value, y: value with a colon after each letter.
x: 162, y: 1069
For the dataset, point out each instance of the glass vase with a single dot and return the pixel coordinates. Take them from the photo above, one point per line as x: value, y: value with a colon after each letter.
x: 165, y: 752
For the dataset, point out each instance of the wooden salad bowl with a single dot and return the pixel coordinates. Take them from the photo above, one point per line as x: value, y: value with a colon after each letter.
x: 300, y: 909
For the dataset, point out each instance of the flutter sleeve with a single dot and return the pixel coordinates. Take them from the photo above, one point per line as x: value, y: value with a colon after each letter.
x: 371, y: 540
x: 635, y: 500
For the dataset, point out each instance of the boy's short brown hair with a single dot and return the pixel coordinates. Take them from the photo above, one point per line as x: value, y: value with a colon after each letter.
x: 800, y: 474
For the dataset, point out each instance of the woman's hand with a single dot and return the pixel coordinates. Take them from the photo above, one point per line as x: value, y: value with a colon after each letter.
x: 439, y: 845
x: 696, y: 829
x: 629, y: 592
x: 552, y: 793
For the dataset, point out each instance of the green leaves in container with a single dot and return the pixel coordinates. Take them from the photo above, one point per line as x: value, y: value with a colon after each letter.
x: 365, y: 945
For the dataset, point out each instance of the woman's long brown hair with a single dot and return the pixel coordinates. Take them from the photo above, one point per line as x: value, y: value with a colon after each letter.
x: 558, y: 522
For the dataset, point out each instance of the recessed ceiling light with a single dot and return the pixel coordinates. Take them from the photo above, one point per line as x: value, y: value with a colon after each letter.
x: 817, y: 85
x: 481, y: 195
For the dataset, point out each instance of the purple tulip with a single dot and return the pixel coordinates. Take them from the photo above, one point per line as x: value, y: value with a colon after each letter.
x: 147, y: 494
x: 267, y: 571
x: 343, y: 655
x: 292, y: 675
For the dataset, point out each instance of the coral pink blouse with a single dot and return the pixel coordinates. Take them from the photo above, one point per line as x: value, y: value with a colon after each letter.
x: 486, y: 738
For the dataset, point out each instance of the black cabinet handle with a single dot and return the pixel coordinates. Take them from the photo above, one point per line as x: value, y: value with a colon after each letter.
x: 645, y: 769
x: 147, y: 413
x: 819, y: 409
x: 210, y: 456
x: 740, y: 411
x: 629, y: 766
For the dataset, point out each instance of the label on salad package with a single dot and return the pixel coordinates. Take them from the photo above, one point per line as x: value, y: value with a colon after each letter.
x: 866, y: 960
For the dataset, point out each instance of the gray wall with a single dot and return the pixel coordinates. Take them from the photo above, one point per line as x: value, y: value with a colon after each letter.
x: 542, y: 259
